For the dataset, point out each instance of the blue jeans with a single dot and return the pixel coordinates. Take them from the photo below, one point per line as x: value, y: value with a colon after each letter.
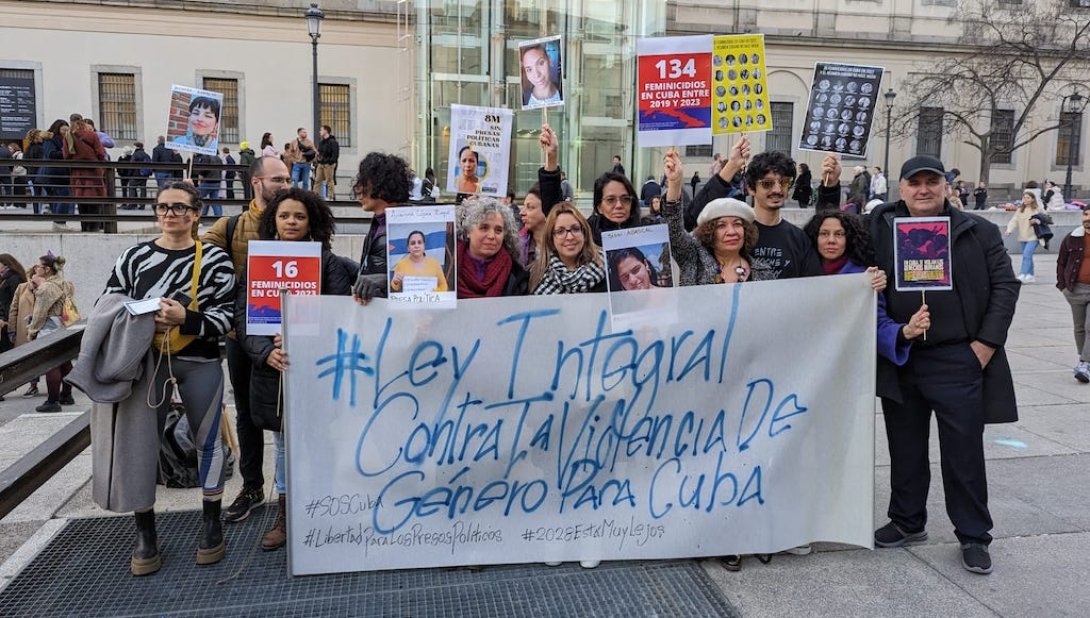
x: 211, y: 191
x: 61, y: 208
x: 1028, y: 247
x: 300, y: 175
x: 281, y: 471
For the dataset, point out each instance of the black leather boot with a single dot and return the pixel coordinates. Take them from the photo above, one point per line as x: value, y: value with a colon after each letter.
x: 211, y: 547
x: 145, y: 557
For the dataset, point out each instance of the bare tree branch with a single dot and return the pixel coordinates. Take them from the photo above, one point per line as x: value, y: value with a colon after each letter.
x: 1019, y: 59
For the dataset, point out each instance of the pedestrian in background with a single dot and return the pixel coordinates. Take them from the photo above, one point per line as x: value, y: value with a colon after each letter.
x: 980, y: 195
x: 228, y: 175
x: 50, y: 290
x: 12, y: 275
x: 1022, y: 221
x: 329, y: 154
x: 82, y: 144
x: 1073, y: 280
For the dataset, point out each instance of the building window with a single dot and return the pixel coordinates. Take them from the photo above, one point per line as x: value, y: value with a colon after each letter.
x: 1080, y: 4
x: 229, y: 133
x: 703, y: 150
x: 335, y: 110
x: 779, y: 138
x: 1002, y: 135
x: 1068, y: 140
x: 929, y: 134
x: 117, y: 105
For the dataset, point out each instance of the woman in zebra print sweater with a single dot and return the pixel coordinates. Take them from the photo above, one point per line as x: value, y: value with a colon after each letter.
x: 194, y: 312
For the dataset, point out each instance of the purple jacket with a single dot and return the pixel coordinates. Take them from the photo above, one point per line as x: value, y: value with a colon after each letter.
x: 888, y: 345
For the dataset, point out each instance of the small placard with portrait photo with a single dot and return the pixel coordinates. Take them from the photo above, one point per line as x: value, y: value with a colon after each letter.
x: 420, y: 256
x: 541, y: 63
x: 639, y: 276
x: 193, y: 120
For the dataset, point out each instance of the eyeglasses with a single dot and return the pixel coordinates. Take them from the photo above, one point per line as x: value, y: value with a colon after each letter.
x: 560, y: 232
x: 280, y: 180
x: 768, y: 185
x: 836, y: 235
x: 177, y: 208
x: 613, y: 199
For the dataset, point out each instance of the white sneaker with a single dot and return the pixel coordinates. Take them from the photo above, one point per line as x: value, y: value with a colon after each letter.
x: 553, y: 564
x: 1082, y: 372
x: 589, y: 564
x: 801, y: 550
x: 1029, y: 279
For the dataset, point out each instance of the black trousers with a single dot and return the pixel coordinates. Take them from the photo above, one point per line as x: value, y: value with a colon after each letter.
x: 949, y: 381
x: 251, y: 439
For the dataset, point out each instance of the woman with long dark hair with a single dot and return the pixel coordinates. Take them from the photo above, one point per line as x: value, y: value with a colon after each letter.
x: 12, y: 275
x: 844, y: 245
x: 55, y: 180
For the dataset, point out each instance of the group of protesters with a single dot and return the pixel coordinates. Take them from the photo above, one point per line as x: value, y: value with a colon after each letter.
x: 145, y: 361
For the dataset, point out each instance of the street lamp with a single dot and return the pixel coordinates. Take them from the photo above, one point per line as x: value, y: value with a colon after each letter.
x: 314, y: 17
x: 890, y: 95
x: 1073, y: 105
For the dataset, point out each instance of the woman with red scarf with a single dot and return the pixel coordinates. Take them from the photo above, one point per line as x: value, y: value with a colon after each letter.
x: 488, y: 264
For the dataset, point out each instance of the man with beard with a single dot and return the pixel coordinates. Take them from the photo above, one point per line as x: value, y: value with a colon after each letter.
x: 268, y: 176
x: 783, y: 251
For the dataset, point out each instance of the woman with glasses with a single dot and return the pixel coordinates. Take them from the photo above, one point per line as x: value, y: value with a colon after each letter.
x: 570, y: 261
x: 616, y: 206
x: 194, y: 283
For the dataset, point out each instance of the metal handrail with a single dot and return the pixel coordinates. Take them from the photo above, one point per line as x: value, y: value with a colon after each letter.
x: 17, y: 367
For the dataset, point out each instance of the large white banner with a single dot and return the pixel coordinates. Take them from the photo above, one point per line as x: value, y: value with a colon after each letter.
x: 525, y: 430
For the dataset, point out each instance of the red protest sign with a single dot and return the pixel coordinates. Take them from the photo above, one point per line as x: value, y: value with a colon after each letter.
x: 276, y: 265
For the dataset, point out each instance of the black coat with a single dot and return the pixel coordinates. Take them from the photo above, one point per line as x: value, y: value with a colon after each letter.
x: 987, y: 289
x: 266, y: 400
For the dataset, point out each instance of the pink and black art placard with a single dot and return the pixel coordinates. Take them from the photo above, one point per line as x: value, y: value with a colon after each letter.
x: 921, y: 254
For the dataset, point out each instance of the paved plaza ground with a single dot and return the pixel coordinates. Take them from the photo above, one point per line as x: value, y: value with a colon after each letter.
x: 1039, y: 482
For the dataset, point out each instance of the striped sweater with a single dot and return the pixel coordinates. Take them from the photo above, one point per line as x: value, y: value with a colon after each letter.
x: 150, y: 271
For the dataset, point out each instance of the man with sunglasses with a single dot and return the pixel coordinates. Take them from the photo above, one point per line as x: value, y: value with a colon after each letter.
x: 782, y: 250
x: 268, y: 176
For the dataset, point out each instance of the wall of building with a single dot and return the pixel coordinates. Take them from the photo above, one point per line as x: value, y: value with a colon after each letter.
x: 66, y: 43
x: 904, y: 36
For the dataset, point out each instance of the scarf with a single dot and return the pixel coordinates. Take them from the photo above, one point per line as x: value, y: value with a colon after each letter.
x: 833, y: 267
x: 557, y: 279
x: 496, y: 272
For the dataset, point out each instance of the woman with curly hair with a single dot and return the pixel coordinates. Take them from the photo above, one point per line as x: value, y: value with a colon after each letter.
x: 294, y: 215
x: 488, y: 252
x: 570, y: 261
x: 844, y: 245
x: 718, y: 249
x: 382, y: 181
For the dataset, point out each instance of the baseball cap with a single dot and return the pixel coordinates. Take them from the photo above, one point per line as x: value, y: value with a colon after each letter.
x: 922, y: 163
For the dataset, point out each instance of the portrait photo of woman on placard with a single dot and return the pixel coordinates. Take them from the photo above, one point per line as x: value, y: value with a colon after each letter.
x: 542, y: 73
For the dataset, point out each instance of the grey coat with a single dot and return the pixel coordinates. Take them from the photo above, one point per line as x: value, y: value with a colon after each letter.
x: 116, y: 369
x: 696, y: 265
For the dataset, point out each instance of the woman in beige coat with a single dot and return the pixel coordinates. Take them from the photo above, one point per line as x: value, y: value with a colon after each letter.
x: 22, y: 305
x: 1023, y: 222
x: 50, y: 290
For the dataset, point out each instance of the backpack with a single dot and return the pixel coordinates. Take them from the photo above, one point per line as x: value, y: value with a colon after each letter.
x: 308, y: 154
x: 178, y: 465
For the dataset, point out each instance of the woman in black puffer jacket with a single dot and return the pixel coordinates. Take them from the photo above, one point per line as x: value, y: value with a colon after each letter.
x: 293, y: 215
